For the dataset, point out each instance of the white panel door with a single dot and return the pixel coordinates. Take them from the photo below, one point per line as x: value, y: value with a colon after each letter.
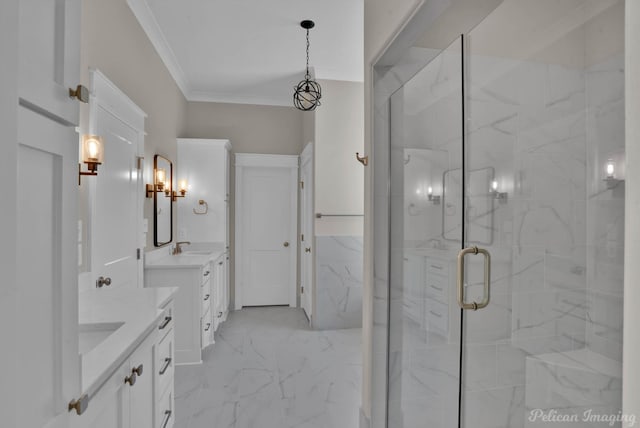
x: 115, y: 229
x: 49, y: 63
x: 306, y: 230
x: 47, y: 315
x: 267, y: 237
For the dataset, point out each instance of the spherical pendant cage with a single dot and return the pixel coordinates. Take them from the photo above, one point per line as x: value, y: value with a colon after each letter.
x: 307, y: 95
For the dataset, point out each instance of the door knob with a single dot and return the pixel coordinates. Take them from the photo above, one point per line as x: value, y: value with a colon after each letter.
x: 102, y: 281
x: 307, y: 250
x: 286, y: 243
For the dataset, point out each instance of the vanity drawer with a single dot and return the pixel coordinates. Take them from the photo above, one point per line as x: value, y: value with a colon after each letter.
x: 207, y: 297
x: 165, y: 362
x: 165, y: 410
x: 437, y: 316
x: 437, y: 287
x: 437, y: 266
x: 206, y: 273
x: 206, y: 326
x: 165, y: 324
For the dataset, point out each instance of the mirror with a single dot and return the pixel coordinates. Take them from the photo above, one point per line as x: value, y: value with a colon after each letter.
x: 162, y: 207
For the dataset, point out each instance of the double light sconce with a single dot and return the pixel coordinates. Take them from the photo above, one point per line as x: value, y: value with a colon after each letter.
x: 163, y: 184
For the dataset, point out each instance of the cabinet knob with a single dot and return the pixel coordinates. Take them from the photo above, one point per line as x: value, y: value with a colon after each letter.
x: 206, y: 297
x: 102, y: 281
x: 286, y: 243
x: 138, y: 370
x: 307, y: 250
x: 131, y: 379
x: 81, y: 93
x: 79, y: 405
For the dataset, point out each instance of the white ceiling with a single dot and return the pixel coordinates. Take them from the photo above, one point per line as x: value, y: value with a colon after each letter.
x: 252, y: 51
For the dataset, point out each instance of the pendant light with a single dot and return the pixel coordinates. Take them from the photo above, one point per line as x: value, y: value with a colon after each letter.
x: 307, y: 94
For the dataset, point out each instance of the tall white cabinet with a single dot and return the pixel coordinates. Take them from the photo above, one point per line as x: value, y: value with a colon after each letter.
x: 205, y: 164
x: 203, y: 215
x: 40, y: 52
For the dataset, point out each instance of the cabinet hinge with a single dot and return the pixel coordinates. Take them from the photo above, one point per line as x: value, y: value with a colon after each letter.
x: 138, y: 253
x: 302, y: 184
x: 140, y: 160
x: 301, y: 290
x: 302, y: 237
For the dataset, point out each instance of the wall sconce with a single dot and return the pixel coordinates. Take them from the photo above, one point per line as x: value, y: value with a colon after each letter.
x: 500, y: 196
x: 92, y: 153
x: 434, y: 199
x: 182, y: 190
x: 610, y: 179
x: 160, y: 184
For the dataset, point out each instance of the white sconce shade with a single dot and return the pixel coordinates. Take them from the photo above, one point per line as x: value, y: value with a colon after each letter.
x: 161, y: 176
x: 182, y: 186
x: 494, y: 185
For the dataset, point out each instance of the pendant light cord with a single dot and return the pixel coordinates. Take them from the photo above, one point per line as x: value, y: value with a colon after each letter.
x: 307, y: 76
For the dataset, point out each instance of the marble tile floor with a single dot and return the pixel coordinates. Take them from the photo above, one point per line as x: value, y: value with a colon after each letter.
x: 269, y: 369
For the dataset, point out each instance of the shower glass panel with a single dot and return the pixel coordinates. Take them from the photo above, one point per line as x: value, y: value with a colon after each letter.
x: 426, y: 234
x: 533, y: 177
x: 545, y: 111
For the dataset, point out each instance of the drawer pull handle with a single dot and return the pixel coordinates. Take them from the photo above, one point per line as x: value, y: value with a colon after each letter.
x: 220, y: 263
x: 79, y: 405
x: 131, y: 379
x: 138, y: 370
x: 167, y: 363
x: 167, y: 417
x: 436, y: 267
x: 435, y: 314
x: 165, y: 323
x: 435, y: 288
x: 208, y: 326
x: 206, y: 297
x: 207, y: 273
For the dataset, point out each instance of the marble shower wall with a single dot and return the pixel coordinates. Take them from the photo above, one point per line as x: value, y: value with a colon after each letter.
x: 338, y: 298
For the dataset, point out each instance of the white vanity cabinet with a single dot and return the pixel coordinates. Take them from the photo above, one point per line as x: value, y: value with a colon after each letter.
x: 194, y: 310
x: 139, y: 392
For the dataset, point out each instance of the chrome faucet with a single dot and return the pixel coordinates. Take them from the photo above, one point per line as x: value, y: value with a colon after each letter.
x: 178, y: 249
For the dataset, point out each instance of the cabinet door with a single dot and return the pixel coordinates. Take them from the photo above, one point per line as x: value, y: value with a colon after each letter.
x: 49, y: 42
x: 141, y: 402
x: 109, y: 408
x: 47, y: 280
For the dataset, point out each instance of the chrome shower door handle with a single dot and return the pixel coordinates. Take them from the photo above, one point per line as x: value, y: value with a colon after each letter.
x: 487, y: 279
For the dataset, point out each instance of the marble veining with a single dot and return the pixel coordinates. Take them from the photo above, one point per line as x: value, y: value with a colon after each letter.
x: 338, y: 282
x: 269, y: 369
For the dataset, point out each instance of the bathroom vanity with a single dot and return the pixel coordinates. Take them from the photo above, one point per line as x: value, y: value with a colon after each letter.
x: 127, y: 355
x: 202, y: 300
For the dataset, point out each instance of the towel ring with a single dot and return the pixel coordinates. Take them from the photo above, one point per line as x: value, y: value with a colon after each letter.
x: 206, y: 208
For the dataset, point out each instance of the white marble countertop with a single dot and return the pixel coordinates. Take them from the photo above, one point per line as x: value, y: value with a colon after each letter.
x: 194, y: 255
x: 182, y: 260
x: 138, y: 311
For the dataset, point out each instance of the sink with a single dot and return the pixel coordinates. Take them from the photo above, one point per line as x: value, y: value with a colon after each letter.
x: 195, y: 252
x: 91, y: 335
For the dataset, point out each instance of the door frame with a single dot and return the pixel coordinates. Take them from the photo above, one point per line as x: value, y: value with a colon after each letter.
x: 106, y: 96
x: 252, y: 160
x: 307, y: 226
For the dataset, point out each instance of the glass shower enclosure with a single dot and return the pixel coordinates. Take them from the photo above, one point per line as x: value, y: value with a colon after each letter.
x: 506, y: 166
